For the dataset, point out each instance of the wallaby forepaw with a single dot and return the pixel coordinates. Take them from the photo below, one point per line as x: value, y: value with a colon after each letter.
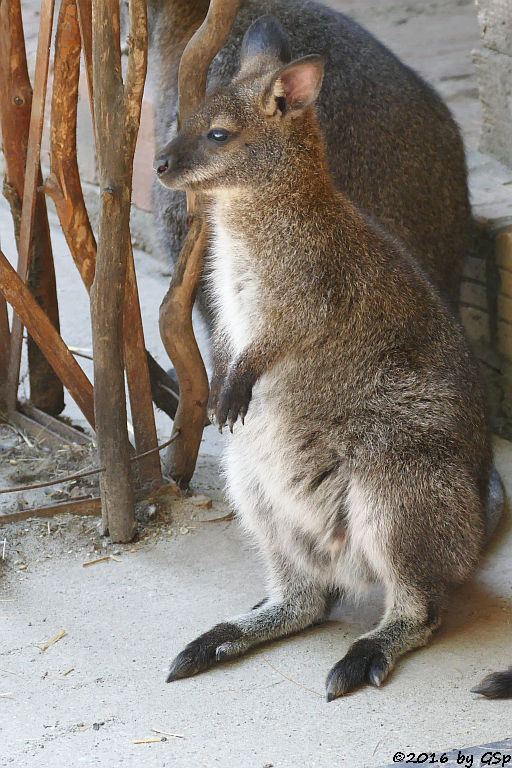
x: 364, y: 663
x: 205, y: 651
x: 233, y: 401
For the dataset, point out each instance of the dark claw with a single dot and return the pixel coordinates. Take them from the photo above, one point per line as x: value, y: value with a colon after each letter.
x: 184, y: 665
x: 200, y: 654
x: 260, y: 603
x: 364, y: 663
x: 234, y: 400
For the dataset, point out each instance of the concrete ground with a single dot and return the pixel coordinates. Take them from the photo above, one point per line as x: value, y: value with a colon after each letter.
x: 125, y: 619
x: 91, y: 694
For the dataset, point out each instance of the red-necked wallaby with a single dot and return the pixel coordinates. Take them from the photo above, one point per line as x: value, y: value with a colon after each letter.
x: 361, y: 451
x: 392, y: 145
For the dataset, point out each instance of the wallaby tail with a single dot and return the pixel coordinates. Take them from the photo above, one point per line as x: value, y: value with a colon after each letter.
x: 497, y: 685
x: 495, y: 504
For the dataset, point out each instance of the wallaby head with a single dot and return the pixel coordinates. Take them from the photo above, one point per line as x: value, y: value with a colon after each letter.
x: 245, y: 132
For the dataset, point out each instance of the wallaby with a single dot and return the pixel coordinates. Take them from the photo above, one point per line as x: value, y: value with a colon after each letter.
x: 361, y: 451
x: 392, y: 145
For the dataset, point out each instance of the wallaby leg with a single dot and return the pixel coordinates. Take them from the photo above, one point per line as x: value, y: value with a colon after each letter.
x: 408, y: 623
x: 299, y: 606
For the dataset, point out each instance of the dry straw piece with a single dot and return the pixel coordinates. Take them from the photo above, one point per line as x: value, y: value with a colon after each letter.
x: 51, y: 642
x: 99, y: 560
x: 148, y: 741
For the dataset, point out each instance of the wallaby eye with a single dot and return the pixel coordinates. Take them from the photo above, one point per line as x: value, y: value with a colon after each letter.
x: 219, y: 135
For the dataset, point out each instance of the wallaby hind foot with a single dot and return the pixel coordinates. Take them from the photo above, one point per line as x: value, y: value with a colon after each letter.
x: 270, y: 620
x: 497, y: 685
x: 371, y: 657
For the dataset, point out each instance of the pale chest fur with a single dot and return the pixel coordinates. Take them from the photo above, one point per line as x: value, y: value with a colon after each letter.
x: 235, y: 285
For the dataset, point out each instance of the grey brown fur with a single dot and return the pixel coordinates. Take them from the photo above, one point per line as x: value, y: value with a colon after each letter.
x: 392, y: 145
x: 365, y: 452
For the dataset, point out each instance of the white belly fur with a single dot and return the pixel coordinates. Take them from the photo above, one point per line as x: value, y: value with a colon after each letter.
x: 235, y: 288
x: 259, y: 460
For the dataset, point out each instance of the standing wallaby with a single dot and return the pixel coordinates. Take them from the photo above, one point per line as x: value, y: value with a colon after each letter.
x: 361, y: 451
x: 392, y: 146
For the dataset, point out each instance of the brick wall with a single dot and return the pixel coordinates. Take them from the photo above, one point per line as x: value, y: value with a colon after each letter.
x: 493, y: 63
x: 486, y: 291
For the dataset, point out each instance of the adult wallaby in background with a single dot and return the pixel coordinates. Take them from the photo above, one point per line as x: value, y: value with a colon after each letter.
x: 361, y: 451
x: 392, y: 144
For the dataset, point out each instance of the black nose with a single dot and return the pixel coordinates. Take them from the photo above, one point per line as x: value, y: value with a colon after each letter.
x: 160, y: 165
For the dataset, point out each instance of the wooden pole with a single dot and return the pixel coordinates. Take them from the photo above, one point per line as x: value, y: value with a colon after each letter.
x: 176, y: 327
x: 36, y: 263
x: 116, y: 116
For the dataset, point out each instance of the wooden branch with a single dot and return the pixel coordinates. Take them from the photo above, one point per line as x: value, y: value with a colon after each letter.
x: 84, y: 8
x: 199, y: 53
x: 138, y: 378
x: 116, y: 117
x: 5, y: 340
x: 180, y: 343
x: 15, y: 111
x: 83, y: 507
x: 64, y: 186
x: 31, y: 182
x: 136, y: 74
x: 47, y: 338
x: 176, y: 327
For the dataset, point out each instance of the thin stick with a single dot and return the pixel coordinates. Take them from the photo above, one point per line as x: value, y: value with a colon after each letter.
x: 224, y: 518
x: 171, y: 735
x: 98, y: 560
x: 81, y: 352
x: 291, y: 680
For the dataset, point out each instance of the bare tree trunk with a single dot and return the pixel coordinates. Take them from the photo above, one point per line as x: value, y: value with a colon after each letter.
x: 176, y: 311
x: 116, y: 115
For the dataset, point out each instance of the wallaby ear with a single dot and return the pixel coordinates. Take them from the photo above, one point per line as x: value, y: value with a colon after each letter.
x: 295, y: 86
x: 265, y: 37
